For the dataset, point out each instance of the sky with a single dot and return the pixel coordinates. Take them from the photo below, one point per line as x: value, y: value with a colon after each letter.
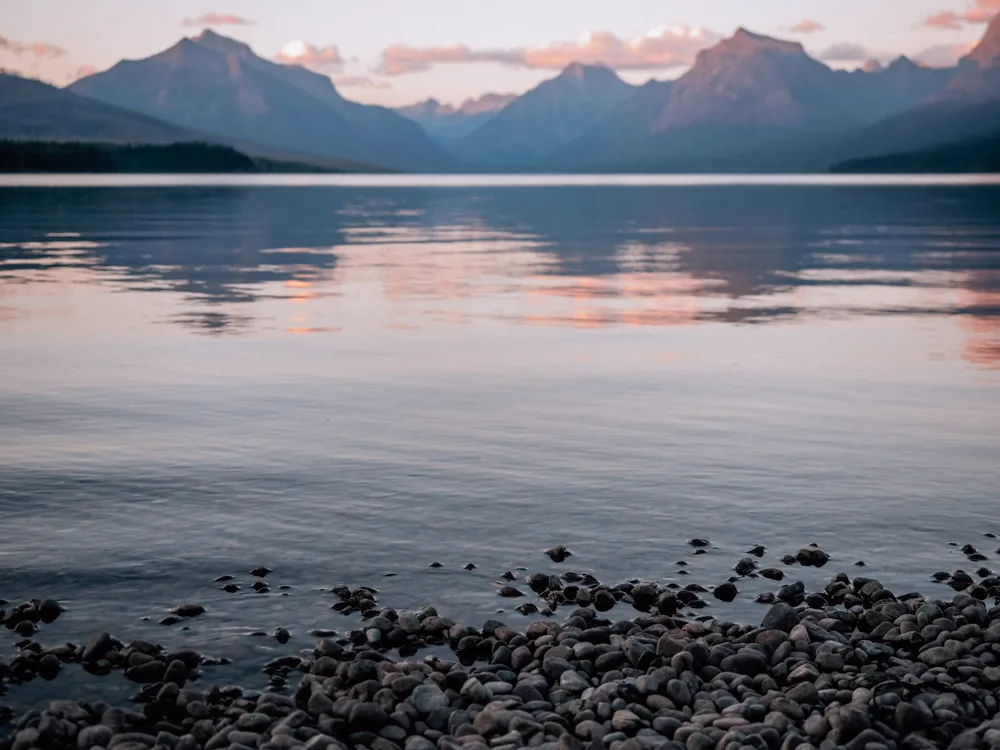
x: 397, y: 52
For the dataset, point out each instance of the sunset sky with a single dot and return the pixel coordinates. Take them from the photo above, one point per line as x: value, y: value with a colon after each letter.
x: 397, y: 52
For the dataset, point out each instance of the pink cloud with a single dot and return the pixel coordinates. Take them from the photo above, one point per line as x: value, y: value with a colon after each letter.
x: 663, y: 47
x: 217, y: 19
x: 846, y: 52
x: 299, y: 52
x: 398, y: 59
x: 35, y: 49
x: 807, y: 26
x: 981, y: 11
x: 946, y: 19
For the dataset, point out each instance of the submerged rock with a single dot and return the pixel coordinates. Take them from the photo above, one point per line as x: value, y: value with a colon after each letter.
x: 558, y: 553
x: 188, y: 610
x: 725, y: 592
x: 812, y: 556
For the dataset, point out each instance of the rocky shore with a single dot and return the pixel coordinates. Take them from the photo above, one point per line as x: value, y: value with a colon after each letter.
x: 854, y: 665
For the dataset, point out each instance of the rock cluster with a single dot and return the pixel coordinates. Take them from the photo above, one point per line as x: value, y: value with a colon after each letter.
x: 140, y: 661
x: 25, y: 618
x: 854, y: 666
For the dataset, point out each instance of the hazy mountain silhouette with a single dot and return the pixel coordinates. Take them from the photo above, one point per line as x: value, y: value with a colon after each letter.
x: 745, y: 92
x: 954, y: 128
x: 35, y: 111
x: 987, y: 53
x: 619, y: 130
x: 220, y: 85
x: 32, y: 110
x: 978, y: 73
x: 750, y: 103
x: 925, y: 127
x: 551, y: 115
x: 883, y: 91
x: 754, y: 80
x: 444, y: 123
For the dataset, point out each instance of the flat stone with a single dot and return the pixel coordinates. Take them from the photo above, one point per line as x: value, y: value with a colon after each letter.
x: 98, y: 735
x: 745, y: 662
x: 254, y: 722
x: 938, y: 656
x: 807, y: 671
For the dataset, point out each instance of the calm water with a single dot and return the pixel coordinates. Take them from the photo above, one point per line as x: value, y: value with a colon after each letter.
x: 343, y: 381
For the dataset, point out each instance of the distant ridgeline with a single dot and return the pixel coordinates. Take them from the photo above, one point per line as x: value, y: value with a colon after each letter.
x: 192, y: 157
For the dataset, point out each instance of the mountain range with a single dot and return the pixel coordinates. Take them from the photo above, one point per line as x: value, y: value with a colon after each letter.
x: 215, y: 84
x: 749, y: 103
x: 445, y: 123
x: 32, y: 111
x: 555, y: 112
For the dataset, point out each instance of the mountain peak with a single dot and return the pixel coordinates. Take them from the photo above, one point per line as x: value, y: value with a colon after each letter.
x: 744, y: 33
x: 873, y: 66
x: 218, y: 43
x: 987, y: 52
x: 427, y: 108
x: 548, y: 117
x: 757, y: 82
x: 217, y: 85
x: 486, y: 103
x: 588, y: 76
x: 744, y: 41
x: 903, y: 62
x: 583, y: 70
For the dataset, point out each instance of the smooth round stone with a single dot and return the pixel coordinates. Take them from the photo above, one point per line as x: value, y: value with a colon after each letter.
x: 626, y: 721
x: 427, y: 697
x: 408, y: 622
x: 573, y: 681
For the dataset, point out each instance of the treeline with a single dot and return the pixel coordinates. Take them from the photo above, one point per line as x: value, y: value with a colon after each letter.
x: 47, y: 156
x: 981, y: 155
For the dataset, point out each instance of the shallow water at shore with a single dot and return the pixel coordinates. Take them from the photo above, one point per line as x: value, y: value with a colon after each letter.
x: 343, y: 382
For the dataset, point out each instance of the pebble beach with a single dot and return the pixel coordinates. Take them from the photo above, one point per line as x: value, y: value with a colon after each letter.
x: 632, y: 665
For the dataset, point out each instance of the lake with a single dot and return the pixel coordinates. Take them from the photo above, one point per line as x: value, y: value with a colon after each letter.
x: 343, y: 378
